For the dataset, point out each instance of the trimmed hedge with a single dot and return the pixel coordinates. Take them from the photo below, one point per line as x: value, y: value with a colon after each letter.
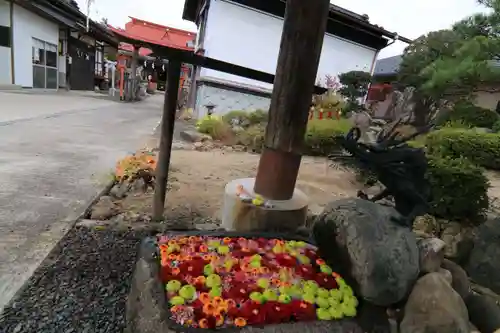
x: 459, y: 188
x: 319, y: 138
x: 482, y: 149
x: 472, y: 115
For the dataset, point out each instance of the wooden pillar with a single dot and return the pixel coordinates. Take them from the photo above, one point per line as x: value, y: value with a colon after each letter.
x: 301, y: 42
x: 167, y: 133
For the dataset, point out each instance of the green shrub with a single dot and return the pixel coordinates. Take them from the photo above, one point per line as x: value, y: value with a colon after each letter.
x: 461, y: 124
x: 240, y: 116
x: 257, y: 117
x: 459, y: 188
x: 482, y: 149
x: 472, y: 115
x: 215, y: 127
x: 252, y: 137
x: 319, y: 139
x: 496, y: 127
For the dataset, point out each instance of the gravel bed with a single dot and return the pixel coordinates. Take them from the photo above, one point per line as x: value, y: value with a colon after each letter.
x: 81, y: 287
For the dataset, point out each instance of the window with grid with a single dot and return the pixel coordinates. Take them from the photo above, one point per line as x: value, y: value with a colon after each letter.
x: 44, y: 57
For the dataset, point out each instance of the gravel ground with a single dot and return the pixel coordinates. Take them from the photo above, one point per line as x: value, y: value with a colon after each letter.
x: 81, y: 287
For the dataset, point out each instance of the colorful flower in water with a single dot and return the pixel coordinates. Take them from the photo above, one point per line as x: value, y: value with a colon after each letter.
x: 213, y: 282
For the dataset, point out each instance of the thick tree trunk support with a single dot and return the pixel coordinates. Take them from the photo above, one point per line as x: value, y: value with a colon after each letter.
x: 301, y: 42
x: 167, y: 133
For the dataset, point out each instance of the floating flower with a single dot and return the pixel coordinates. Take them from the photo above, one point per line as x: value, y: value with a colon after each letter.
x: 220, y: 282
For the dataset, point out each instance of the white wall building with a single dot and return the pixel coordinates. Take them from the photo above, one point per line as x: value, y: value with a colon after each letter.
x: 248, y: 33
x: 42, y: 43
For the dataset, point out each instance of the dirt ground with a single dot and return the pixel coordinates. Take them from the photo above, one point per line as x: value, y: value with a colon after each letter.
x: 197, y: 181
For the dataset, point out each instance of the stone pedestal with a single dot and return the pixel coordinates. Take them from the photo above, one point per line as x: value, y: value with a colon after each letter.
x: 283, y: 216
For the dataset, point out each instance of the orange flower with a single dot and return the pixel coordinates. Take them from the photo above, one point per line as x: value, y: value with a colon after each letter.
x: 203, y: 323
x: 209, y: 309
x: 275, y: 281
x: 226, y: 240
x: 240, y: 322
x: 207, y: 257
x: 200, y: 280
x: 175, y: 308
x: 245, y: 267
x: 218, y: 301
x: 222, y: 308
x: 219, y: 320
x: 163, y: 247
x: 264, y: 270
x: 230, y: 303
x: 205, y: 298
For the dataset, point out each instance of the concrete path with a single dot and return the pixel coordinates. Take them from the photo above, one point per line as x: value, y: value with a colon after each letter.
x: 55, y: 154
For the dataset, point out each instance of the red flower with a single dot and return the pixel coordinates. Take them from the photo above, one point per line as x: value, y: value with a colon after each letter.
x: 306, y: 271
x: 277, y: 312
x: 240, y: 276
x: 326, y: 281
x: 198, y: 309
x: 211, y: 322
x: 233, y: 311
x: 238, y: 292
x: 302, y: 311
x: 286, y: 260
x: 193, y: 267
x: 311, y: 254
x: 253, y: 313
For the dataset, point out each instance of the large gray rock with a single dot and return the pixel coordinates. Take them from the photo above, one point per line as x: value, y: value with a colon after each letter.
x: 483, y: 264
x: 460, y: 280
x: 459, y: 241
x: 434, y: 307
x: 146, y: 305
x: 431, y: 254
x: 484, y: 313
x: 147, y: 309
x: 194, y: 136
x: 379, y: 258
x: 104, y: 209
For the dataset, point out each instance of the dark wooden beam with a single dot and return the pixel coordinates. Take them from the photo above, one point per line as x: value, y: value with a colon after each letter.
x: 167, y: 134
x: 298, y: 60
x: 206, y: 62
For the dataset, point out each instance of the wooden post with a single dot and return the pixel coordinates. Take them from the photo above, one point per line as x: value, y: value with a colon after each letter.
x: 132, y: 85
x: 167, y: 133
x: 301, y: 42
